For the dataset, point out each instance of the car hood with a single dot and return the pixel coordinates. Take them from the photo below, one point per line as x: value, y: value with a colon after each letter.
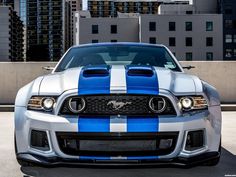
x: 117, y: 79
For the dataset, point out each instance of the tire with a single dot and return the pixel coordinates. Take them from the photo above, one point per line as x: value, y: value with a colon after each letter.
x: 215, y: 161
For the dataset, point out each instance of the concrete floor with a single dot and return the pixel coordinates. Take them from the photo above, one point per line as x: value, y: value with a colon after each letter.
x: 10, y: 168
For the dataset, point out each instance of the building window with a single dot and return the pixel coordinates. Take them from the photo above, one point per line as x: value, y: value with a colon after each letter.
x: 113, y: 40
x: 152, y: 26
x: 152, y: 40
x: 188, y: 12
x: 234, y: 52
x: 209, y: 26
x: 209, y: 56
x: 209, y: 41
x: 229, y: 24
x: 113, y: 29
x: 94, y: 41
x: 172, y: 41
x: 188, y: 26
x: 234, y: 24
x: 234, y: 38
x: 228, y: 53
x: 94, y: 29
x: 188, y: 41
x: 228, y: 38
x: 189, y: 56
x: 228, y: 10
x: 171, y: 26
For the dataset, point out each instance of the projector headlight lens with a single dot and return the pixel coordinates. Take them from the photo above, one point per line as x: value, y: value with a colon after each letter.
x: 48, y: 103
x: 188, y: 103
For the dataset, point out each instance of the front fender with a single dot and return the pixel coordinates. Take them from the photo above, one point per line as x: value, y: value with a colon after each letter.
x: 211, y: 93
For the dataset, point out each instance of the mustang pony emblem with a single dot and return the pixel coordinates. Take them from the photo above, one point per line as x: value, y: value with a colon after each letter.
x: 117, y: 105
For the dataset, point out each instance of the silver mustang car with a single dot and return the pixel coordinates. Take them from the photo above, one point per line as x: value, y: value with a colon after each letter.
x: 118, y: 104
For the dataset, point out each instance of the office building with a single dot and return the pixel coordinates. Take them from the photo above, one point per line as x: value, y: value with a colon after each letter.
x: 227, y: 8
x: 45, y: 29
x: 109, y: 8
x: 191, y: 36
x: 71, y: 7
x: 92, y: 29
x: 11, y: 35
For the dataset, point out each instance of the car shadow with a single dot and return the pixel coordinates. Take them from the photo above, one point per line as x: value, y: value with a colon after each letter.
x: 227, y: 166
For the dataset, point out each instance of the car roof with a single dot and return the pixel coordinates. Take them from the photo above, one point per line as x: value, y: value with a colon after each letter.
x: 118, y: 43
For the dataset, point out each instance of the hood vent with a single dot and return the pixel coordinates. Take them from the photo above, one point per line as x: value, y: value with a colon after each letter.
x: 95, y: 72
x: 140, y: 72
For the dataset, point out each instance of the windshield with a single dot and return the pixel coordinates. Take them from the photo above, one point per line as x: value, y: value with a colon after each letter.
x: 117, y: 55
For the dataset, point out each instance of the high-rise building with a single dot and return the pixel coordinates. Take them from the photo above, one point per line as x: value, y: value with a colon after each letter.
x: 45, y: 29
x: 11, y: 34
x: 71, y: 7
x: 7, y: 3
x: 111, y: 8
x: 227, y: 8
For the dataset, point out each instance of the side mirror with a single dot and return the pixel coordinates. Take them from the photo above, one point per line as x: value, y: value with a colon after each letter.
x: 188, y: 67
x: 48, y: 68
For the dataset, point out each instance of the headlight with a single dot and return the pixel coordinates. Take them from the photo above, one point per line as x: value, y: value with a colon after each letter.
x: 43, y: 103
x: 192, y: 103
x: 186, y: 102
x: 157, y: 104
x: 76, y: 105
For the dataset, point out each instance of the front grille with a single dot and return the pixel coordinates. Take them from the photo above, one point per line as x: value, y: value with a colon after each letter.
x: 116, y: 144
x: 134, y: 105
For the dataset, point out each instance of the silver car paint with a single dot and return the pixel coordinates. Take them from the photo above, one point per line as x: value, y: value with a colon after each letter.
x: 64, y: 84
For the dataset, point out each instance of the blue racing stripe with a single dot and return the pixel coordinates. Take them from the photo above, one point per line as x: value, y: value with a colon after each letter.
x: 97, y: 124
x: 94, y: 80
x: 142, y: 157
x: 110, y: 158
x: 141, y: 83
x: 93, y: 158
x: 142, y: 80
x: 146, y: 124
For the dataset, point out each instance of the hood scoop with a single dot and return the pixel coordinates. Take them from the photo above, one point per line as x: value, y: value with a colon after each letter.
x: 140, y: 71
x: 96, y: 71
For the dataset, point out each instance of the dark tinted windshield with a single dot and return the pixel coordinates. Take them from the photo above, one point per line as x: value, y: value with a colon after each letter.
x: 117, y: 55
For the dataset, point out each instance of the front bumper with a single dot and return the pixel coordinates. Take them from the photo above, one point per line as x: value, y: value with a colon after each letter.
x: 209, y: 121
x: 178, y: 161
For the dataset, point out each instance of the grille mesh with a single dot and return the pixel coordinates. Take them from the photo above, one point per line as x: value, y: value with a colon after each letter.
x: 133, y: 105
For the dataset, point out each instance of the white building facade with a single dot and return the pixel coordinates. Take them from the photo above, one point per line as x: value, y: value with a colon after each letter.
x: 189, y: 37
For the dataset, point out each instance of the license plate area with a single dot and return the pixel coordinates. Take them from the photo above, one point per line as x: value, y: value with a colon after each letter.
x: 117, y: 145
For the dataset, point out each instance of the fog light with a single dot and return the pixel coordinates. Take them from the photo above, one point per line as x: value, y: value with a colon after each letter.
x: 195, y: 140
x: 39, y: 140
x: 165, y: 143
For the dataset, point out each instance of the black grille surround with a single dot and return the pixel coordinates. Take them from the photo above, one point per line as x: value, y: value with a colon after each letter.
x: 137, y: 105
x: 109, y: 144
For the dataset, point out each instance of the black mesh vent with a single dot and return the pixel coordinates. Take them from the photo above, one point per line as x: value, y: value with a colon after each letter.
x: 116, y: 144
x: 129, y: 105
